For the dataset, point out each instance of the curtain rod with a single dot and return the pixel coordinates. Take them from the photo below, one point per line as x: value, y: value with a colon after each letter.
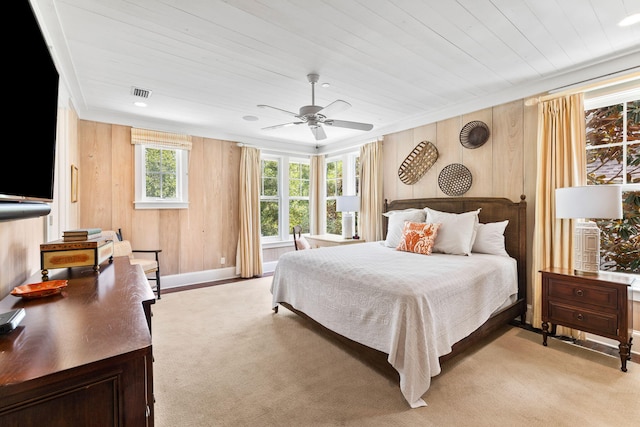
x: 585, y: 86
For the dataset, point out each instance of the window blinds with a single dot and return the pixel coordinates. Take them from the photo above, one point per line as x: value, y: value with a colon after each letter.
x: 160, y: 139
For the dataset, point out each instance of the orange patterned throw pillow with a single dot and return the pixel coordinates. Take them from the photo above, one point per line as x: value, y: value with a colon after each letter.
x: 418, y: 237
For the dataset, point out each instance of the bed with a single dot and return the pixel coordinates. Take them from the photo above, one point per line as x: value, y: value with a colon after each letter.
x: 408, y: 310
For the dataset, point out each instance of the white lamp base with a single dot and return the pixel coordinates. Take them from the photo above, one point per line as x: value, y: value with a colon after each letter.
x: 587, y: 248
x: 347, y: 226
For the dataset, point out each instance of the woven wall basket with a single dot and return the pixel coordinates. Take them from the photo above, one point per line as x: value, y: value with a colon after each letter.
x: 474, y: 134
x: 418, y: 162
x: 454, y: 179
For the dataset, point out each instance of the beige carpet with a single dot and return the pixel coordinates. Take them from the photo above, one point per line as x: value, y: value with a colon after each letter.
x: 223, y: 358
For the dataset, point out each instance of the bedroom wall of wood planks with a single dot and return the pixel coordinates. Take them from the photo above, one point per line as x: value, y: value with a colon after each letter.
x: 498, y: 167
x: 192, y: 240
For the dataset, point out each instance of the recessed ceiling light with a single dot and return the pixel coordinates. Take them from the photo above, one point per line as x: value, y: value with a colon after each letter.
x: 630, y: 20
x: 250, y: 118
x: 326, y: 84
x: 140, y: 104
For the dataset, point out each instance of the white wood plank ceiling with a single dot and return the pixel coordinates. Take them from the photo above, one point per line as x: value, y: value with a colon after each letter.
x: 399, y: 63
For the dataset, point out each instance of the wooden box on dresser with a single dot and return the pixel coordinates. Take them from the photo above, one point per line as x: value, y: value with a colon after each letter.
x: 83, y: 357
x: 600, y: 304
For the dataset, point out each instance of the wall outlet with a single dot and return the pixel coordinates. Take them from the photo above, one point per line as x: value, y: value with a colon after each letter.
x: 223, y: 260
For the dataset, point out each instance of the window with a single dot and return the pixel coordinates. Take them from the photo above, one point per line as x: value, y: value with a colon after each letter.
x: 161, y: 178
x: 342, y: 179
x: 613, y: 157
x: 334, y: 189
x: 299, y: 194
x: 270, y: 198
x: 284, y: 196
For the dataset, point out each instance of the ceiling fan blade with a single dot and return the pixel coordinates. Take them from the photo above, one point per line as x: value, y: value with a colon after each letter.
x: 279, y: 109
x: 349, y: 125
x: 284, y: 125
x: 318, y: 132
x: 334, y: 108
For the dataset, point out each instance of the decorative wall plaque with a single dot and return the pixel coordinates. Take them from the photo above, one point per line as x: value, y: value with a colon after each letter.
x: 418, y: 162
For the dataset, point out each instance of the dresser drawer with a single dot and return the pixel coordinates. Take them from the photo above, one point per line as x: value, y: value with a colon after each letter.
x: 585, y: 320
x: 601, y: 296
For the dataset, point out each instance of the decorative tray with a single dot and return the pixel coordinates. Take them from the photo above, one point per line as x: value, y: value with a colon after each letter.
x: 38, y: 290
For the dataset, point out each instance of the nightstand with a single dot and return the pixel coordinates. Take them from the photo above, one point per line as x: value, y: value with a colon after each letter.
x: 324, y: 240
x: 600, y: 304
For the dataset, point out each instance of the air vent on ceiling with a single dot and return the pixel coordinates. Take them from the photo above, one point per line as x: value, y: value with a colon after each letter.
x: 142, y: 93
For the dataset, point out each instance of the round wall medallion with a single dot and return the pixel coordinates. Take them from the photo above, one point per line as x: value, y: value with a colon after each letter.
x: 474, y: 134
x: 454, y: 179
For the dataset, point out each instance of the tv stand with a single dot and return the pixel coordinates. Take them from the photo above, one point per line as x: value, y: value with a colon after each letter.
x: 81, y: 356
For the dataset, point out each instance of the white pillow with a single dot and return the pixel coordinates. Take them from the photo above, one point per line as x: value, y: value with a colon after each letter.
x: 396, y: 224
x: 457, y: 232
x: 490, y: 238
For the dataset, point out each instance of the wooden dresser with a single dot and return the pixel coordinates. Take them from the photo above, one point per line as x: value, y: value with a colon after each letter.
x: 83, y: 357
x: 600, y: 304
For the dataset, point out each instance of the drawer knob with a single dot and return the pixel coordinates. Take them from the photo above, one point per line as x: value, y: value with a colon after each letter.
x: 579, y: 292
x: 580, y: 316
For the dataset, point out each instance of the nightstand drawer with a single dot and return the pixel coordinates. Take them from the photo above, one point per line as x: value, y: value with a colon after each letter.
x: 601, y: 296
x: 584, y: 320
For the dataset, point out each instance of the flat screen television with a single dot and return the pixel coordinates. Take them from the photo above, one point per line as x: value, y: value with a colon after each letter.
x: 31, y: 98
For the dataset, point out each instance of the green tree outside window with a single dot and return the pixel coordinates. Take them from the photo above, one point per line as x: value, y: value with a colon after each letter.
x: 613, y: 157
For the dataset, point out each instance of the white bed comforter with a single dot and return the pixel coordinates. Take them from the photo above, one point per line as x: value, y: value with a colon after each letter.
x: 412, y: 307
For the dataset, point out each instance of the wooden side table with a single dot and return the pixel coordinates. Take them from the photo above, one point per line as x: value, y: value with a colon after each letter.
x: 599, y: 304
x: 325, y: 240
x: 61, y: 254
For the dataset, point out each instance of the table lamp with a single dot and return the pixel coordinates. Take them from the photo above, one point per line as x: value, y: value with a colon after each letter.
x: 583, y: 203
x: 346, y: 205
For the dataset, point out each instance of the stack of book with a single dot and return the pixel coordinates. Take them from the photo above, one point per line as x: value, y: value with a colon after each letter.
x: 81, y: 234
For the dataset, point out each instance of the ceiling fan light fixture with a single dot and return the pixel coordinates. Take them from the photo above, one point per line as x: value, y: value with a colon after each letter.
x: 315, y: 115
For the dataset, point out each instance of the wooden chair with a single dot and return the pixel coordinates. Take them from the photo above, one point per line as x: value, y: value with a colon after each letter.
x: 151, y: 267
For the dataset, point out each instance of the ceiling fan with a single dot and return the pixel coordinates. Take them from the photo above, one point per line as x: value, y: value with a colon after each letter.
x: 315, y: 116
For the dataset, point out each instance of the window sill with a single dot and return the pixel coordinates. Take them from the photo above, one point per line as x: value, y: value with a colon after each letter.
x: 635, y: 286
x: 278, y: 244
x: 161, y: 205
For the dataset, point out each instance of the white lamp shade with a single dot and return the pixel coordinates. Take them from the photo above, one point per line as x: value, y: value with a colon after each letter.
x: 348, y: 204
x: 591, y: 201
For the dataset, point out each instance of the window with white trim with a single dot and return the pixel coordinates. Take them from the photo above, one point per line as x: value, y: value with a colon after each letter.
x: 161, y: 169
x: 342, y: 175
x: 613, y: 157
x: 284, y: 196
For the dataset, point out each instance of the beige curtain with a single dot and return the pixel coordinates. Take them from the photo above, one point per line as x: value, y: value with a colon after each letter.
x: 249, y: 253
x: 371, y: 192
x: 317, y: 207
x: 561, y: 163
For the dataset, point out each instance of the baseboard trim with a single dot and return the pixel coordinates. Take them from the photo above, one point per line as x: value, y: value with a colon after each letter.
x: 197, y: 277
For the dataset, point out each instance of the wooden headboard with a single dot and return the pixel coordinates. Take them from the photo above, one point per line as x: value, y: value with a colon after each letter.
x: 493, y: 209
